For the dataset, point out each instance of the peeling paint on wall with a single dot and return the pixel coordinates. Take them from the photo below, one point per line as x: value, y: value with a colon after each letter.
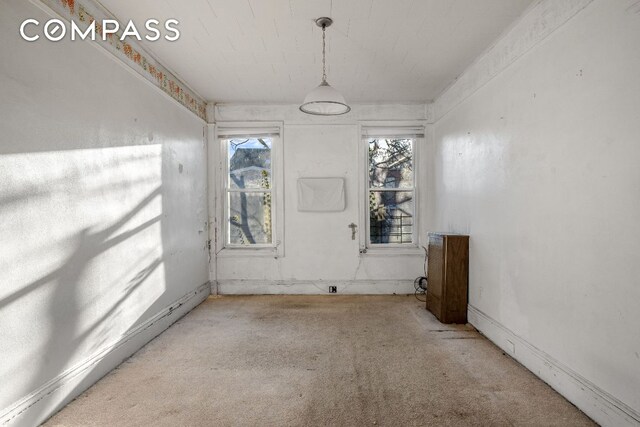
x: 535, y: 25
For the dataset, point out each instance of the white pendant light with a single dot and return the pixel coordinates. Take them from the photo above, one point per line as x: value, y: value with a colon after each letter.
x: 324, y: 100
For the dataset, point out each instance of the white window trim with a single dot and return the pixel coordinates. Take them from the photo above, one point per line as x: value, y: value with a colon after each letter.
x: 276, y: 248
x: 386, y: 249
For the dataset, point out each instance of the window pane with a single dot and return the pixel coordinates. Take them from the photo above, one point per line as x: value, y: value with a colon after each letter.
x: 249, y: 163
x: 391, y: 216
x: 391, y: 163
x: 249, y: 218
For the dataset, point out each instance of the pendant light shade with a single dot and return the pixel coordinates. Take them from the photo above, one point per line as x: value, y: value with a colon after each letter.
x: 324, y: 100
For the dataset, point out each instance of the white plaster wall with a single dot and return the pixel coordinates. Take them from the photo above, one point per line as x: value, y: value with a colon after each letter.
x: 102, y: 205
x: 318, y: 249
x: 541, y: 167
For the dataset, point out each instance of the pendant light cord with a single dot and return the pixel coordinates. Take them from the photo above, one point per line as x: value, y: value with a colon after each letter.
x: 324, y: 100
x: 324, y: 67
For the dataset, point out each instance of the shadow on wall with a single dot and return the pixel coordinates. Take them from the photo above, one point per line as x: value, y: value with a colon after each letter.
x: 108, y: 282
x: 90, y: 244
x: 65, y: 315
x: 99, y: 224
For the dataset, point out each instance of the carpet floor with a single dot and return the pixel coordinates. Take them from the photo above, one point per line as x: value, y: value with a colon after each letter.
x: 318, y: 361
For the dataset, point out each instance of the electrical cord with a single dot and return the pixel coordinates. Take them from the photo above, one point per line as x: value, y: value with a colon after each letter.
x: 420, y: 284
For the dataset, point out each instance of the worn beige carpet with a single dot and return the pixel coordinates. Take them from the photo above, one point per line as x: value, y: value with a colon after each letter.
x: 318, y: 361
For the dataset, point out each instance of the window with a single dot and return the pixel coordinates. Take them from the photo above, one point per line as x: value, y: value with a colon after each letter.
x: 390, y: 186
x: 248, y: 200
x: 248, y: 193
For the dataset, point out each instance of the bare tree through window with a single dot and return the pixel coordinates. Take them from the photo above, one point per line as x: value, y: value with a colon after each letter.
x: 249, y: 209
x: 391, y: 190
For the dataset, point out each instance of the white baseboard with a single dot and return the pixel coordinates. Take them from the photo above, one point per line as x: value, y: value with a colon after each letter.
x: 602, y: 407
x: 315, y: 287
x: 38, y: 406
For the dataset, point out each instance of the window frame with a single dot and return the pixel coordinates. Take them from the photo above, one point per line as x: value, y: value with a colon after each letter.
x: 223, y: 189
x: 366, y: 247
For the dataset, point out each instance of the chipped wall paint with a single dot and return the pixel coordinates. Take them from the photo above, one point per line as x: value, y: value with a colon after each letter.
x: 103, y: 216
x: 539, y: 165
x: 534, y: 26
x: 85, y: 12
x: 291, y: 114
x: 318, y: 248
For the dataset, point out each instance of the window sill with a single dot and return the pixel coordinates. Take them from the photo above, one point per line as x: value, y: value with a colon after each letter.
x: 263, y: 252
x: 393, y: 251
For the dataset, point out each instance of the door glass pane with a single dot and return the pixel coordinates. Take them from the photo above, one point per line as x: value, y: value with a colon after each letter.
x: 249, y: 218
x: 391, y: 216
x: 249, y: 163
x: 391, y: 163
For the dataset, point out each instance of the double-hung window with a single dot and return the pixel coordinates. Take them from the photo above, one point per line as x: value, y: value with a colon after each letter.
x: 249, y: 167
x: 391, y: 186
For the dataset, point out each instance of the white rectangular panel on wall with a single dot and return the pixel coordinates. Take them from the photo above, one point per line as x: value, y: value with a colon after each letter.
x: 321, y: 195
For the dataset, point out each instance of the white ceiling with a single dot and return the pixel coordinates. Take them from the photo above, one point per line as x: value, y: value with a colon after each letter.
x: 270, y: 50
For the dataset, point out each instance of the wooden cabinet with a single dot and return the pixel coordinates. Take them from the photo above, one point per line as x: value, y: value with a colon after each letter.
x: 448, y: 277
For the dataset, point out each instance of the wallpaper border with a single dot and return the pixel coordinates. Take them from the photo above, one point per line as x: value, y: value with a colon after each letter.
x: 84, y: 12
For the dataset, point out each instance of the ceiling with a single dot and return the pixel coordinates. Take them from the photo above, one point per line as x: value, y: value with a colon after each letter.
x: 270, y: 51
